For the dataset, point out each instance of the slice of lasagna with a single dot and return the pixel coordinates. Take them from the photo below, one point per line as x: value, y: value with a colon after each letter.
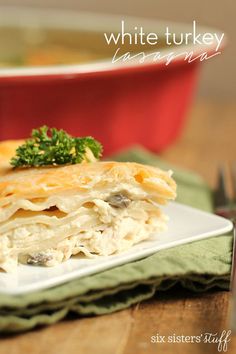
x: 99, y: 208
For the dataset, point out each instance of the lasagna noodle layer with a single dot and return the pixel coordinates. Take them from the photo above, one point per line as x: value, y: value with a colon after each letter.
x: 49, y: 214
x: 97, y: 228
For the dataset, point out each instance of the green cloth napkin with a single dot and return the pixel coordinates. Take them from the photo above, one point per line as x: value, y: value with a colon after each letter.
x: 197, y: 266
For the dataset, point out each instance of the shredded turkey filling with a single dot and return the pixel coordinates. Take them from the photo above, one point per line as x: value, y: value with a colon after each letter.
x: 97, y: 227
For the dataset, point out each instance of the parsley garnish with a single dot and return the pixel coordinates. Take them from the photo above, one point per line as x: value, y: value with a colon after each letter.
x: 49, y: 146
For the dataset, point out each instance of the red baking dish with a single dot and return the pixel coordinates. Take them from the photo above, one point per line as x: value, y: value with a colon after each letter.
x: 120, y: 105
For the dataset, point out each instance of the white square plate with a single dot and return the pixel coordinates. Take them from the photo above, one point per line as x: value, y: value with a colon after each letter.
x: 185, y: 225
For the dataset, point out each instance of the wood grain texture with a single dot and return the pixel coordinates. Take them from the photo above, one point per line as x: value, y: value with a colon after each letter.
x: 207, y: 140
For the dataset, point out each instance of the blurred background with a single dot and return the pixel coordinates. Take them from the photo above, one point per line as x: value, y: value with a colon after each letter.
x: 218, y: 76
x: 154, y: 109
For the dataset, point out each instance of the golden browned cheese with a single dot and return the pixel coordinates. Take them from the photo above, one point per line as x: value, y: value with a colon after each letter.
x: 46, y: 181
x: 7, y: 151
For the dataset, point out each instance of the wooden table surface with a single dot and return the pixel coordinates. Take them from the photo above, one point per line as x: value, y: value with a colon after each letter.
x: 207, y: 140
